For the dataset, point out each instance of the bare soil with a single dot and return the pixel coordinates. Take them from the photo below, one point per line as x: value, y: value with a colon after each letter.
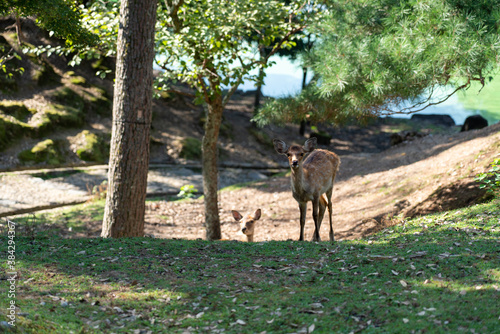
x: 377, y: 185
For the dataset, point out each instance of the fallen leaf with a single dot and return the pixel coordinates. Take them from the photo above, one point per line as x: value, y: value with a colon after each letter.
x: 394, y: 272
x: 403, y: 283
x: 405, y: 320
x: 240, y: 322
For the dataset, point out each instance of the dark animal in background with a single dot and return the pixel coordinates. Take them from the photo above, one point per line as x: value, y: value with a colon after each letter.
x: 436, y: 119
x: 474, y: 122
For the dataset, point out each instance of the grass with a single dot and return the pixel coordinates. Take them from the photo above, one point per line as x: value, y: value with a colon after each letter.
x: 438, y: 274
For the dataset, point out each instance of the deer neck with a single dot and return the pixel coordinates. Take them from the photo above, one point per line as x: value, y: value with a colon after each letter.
x: 250, y: 238
x: 298, y: 178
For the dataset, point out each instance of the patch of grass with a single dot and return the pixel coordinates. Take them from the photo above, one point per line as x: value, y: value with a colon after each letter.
x: 438, y: 273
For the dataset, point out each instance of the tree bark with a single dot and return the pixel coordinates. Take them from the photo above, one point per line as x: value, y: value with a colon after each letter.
x: 210, y: 173
x: 132, y: 110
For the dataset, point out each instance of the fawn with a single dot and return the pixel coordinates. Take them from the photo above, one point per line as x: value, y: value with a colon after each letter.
x: 247, y: 223
x: 313, y: 174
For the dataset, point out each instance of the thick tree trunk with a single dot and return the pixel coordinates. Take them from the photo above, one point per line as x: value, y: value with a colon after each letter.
x: 132, y: 104
x: 210, y: 173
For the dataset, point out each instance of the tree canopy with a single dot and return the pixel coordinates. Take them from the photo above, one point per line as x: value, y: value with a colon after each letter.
x: 379, y: 57
x: 60, y: 17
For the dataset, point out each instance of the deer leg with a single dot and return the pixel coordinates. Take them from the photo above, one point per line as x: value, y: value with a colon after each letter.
x: 303, y: 210
x: 329, y: 198
x: 322, y: 209
x: 316, y: 236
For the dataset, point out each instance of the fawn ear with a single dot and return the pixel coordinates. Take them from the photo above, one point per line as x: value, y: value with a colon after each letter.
x: 311, y: 144
x: 280, y: 146
x: 236, y: 215
x: 256, y: 215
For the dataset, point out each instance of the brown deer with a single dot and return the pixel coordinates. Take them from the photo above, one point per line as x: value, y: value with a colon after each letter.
x: 247, y: 223
x: 313, y: 174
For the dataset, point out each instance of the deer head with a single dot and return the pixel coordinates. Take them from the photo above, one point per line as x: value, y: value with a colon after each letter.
x: 295, y: 153
x: 247, y: 223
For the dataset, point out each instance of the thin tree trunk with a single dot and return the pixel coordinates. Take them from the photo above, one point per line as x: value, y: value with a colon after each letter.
x: 210, y: 173
x: 302, y: 129
x: 132, y: 109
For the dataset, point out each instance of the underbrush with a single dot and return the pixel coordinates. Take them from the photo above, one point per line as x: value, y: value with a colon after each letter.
x: 438, y: 273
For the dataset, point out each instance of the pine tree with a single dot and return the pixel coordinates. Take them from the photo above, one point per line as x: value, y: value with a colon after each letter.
x: 380, y: 57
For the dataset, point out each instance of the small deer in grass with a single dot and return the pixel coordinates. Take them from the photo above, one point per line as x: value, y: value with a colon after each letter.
x: 247, y: 223
x: 313, y: 174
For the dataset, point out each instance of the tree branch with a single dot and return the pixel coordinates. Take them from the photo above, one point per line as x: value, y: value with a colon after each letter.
x: 409, y: 110
x: 173, y: 8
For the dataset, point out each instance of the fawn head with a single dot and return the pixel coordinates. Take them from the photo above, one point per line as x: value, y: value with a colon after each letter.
x: 247, y: 223
x: 295, y: 153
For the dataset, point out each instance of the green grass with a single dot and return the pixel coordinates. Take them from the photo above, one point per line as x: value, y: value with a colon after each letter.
x: 434, y: 274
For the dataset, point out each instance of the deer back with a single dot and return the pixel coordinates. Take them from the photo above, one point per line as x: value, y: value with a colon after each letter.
x: 320, y: 168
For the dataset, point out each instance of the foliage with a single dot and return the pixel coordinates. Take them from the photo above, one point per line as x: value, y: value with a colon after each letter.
x: 422, y: 275
x: 384, y: 56
x: 60, y: 17
x: 212, y: 44
x: 490, y: 180
x: 187, y: 191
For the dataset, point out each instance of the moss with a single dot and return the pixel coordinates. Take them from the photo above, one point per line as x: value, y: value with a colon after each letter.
x: 58, y: 115
x: 98, y: 102
x: 10, y: 130
x: 94, y: 148
x: 17, y: 110
x: 78, y: 80
x: 190, y: 148
x: 67, y: 96
x: 45, y: 74
x: 48, y: 151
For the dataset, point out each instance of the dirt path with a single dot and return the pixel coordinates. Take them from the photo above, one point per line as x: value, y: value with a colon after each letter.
x: 369, y: 190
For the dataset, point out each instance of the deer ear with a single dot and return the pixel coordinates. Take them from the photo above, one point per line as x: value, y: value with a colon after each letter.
x: 280, y: 146
x: 236, y: 215
x: 311, y: 144
x: 256, y: 215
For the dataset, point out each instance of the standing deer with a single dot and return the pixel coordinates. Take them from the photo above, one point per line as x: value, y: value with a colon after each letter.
x: 247, y: 223
x: 313, y: 174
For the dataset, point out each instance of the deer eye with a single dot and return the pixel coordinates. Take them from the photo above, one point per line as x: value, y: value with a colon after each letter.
x: 288, y: 155
x: 301, y: 154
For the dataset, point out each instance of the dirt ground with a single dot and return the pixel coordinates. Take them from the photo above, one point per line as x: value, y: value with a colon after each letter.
x: 427, y: 175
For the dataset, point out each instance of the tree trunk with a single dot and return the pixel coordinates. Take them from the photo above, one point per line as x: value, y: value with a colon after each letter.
x: 132, y: 109
x: 210, y: 173
x: 302, y: 129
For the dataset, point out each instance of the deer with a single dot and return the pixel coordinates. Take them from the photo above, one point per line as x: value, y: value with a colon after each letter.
x: 313, y: 173
x: 247, y: 223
